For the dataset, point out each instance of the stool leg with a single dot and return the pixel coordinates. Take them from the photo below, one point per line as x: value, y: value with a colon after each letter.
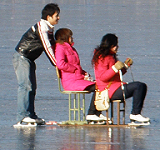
x: 118, y: 113
x: 107, y: 117
x: 112, y: 112
x: 123, y: 112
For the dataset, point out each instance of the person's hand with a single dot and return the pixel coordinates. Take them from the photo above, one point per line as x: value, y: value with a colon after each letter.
x: 128, y: 62
x: 119, y: 65
x: 88, y: 77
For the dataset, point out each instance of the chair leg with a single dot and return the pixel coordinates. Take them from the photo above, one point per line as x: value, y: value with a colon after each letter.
x: 74, y: 107
x: 79, y: 109
x: 83, y: 107
x: 69, y: 97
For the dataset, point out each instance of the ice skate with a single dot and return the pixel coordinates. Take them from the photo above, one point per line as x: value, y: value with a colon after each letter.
x: 92, y: 122
x: 26, y: 122
x: 102, y: 117
x: 40, y: 121
x: 139, y: 120
x: 105, y: 118
x: 94, y: 119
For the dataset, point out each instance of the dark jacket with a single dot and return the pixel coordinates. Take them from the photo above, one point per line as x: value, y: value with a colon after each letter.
x: 33, y: 42
x: 30, y: 45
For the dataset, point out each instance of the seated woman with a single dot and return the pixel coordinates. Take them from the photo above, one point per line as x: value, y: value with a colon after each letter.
x: 73, y: 77
x: 107, y: 66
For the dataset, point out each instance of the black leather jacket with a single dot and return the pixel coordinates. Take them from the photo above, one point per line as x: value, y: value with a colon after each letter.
x: 30, y: 45
x: 34, y: 42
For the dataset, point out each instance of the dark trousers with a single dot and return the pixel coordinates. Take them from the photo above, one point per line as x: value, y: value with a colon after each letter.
x: 92, y: 109
x: 137, y: 90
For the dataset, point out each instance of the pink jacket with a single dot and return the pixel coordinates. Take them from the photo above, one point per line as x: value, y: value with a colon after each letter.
x: 104, y: 74
x: 72, y: 75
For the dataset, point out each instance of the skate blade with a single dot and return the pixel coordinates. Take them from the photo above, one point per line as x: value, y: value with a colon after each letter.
x: 25, y: 125
x: 109, y: 121
x: 139, y: 124
x: 93, y: 122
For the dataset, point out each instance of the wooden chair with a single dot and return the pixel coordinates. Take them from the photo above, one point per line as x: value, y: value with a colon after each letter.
x: 119, y: 110
x: 76, y: 105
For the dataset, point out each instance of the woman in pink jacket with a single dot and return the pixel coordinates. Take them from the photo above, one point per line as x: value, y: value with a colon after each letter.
x: 73, y: 77
x: 107, y: 66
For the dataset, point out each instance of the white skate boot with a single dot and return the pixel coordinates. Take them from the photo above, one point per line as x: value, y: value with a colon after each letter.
x: 105, y: 118
x: 94, y: 119
x: 26, y: 122
x: 140, y: 119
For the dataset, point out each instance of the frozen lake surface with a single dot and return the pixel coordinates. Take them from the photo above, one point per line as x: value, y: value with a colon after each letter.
x: 135, y: 22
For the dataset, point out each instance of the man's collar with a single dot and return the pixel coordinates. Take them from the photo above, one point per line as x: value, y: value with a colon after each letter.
x: 51, y: 26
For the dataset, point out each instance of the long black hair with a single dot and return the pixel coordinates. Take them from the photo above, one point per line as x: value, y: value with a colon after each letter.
x: 108, y: 41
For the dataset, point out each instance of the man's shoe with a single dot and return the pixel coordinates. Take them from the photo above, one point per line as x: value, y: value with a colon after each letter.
x: 40, y: 121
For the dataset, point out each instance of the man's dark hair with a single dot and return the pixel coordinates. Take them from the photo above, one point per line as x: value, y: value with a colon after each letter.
x: 50, y: 9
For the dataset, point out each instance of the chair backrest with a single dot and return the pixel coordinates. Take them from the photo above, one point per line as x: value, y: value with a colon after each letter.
x: 58, y: 72
x: 59, y: 79
x: 60, y: 87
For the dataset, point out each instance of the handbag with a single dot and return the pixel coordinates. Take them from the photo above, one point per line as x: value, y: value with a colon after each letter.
x: 102, y: 101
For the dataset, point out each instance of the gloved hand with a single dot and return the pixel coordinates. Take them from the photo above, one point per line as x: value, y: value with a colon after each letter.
x: 119, y: 65
x: 88, y: 77
x: 128, y: 62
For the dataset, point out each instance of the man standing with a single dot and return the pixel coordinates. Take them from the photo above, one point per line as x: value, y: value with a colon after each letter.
x: 37, y: 39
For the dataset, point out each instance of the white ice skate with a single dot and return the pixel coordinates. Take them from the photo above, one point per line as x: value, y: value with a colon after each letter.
x: 102, y: 117
x: 94, y: 119
x: 26, y: 122
x: 40, y: 121
x: 139, y: 120
x: 105, y: 118
x: 93, y: 122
